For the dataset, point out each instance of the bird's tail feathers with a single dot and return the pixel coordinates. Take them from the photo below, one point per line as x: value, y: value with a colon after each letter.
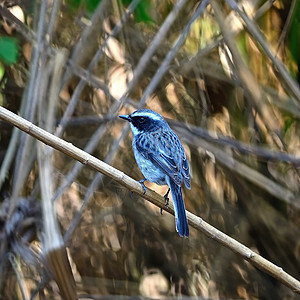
x: 182, y: 225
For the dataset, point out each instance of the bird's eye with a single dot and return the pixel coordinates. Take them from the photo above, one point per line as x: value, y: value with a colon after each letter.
x: 142, y: 119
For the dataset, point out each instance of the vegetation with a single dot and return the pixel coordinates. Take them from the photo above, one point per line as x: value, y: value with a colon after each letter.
x: 227, y: 80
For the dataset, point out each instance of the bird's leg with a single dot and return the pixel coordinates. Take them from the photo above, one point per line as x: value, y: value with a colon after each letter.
x: 143, y: 186
x: 166, y: 197
x: 167, y: 200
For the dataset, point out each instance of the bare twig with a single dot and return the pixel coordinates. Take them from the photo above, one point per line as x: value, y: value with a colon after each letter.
x: 259, y: 38
x: 54, y: 251
x: 128, y: 182
x: 246, y: 77
x: 80, y: 50
x: 243, y: 170
x: 286, y: 25
x: 187, y: 64
x: 155, y: 43
x: 19, y: 25
x: 170, y: 56
x: 79, y: 88
x: 86, y: 201
x: 53, y: 17
x: 241, y: 147
x: 24, y: 156
x: 20, y: 276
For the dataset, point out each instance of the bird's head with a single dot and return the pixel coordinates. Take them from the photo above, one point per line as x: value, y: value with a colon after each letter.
x: 145, y: 120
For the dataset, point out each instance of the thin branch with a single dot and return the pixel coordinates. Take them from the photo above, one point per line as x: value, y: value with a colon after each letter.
x: 91, y: 79
x: 24, y: 156
x: 19, y: 25
x: 54, y: 251
x: 286, y: 26
x: 20, y: 276
x: 242, y: 170
x: 86, y: 201
x: 186, y: 64
x: 262, y: 153
x: 259, y: 38
x: 80, y: 51
x: 245, y: 76
x: 53, y: 17
x: 80, y: 86
x: 164, y: 67
x: 241, y: 147
x: 155, y: 43
x: 195, y: 221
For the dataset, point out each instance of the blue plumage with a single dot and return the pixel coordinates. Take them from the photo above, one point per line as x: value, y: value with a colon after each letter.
x: 161, y: 158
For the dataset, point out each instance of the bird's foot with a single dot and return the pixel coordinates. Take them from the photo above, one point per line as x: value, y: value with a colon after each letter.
x: 143, y: 186
x: 167, y: 200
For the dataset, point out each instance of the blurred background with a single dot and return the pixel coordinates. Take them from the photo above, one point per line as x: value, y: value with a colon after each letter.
x: 230, y: 90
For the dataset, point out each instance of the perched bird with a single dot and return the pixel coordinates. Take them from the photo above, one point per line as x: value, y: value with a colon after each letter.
x: 161, y: 158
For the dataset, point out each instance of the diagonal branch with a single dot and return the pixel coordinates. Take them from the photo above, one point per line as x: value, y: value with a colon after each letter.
x: 128, y: 182
x: 253, y: 29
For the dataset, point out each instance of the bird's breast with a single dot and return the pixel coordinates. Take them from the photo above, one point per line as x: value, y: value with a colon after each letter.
x: 148, y: 169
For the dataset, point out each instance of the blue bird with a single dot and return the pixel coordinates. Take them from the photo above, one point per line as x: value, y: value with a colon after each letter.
x: 161, y: 158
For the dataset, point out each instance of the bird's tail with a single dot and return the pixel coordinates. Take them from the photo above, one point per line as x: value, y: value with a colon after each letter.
x: 182, y: 225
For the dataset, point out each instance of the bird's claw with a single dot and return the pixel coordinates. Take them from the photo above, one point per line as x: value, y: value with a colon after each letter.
x: 143, y: 186
x: 167, y: 200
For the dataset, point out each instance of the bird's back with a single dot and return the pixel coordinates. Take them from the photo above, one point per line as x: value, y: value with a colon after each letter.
x: 164, y: 149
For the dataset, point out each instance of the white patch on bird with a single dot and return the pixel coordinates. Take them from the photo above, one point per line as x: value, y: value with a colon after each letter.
x: 134, y: 130
x: 149, y: 114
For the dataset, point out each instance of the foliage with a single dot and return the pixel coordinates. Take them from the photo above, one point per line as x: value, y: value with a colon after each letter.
x: 294, y: 35
x: 142, y: 12
x: 8, y: 50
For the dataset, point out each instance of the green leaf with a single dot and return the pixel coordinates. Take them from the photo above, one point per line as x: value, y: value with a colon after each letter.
x: 91, y: 5
x: 88, y: 5
x: 142, y: 11
x: 141, y: 14
x: 2, y: 71
x: 294, y: 34
x: 242, y: 47
x: 74, y: 3
x: 9, y: 50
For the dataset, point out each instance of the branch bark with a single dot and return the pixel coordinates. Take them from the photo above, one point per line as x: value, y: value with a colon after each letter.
x: 158, y: 200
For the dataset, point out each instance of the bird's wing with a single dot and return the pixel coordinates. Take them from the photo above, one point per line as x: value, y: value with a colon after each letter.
x: 166, y: 152
x: 186, y: 172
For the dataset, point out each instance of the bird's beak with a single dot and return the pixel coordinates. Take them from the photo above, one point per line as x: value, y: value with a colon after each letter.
x: 125, y: 117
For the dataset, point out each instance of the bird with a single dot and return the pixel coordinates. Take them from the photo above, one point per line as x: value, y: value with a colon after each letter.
x: 161, y: 158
